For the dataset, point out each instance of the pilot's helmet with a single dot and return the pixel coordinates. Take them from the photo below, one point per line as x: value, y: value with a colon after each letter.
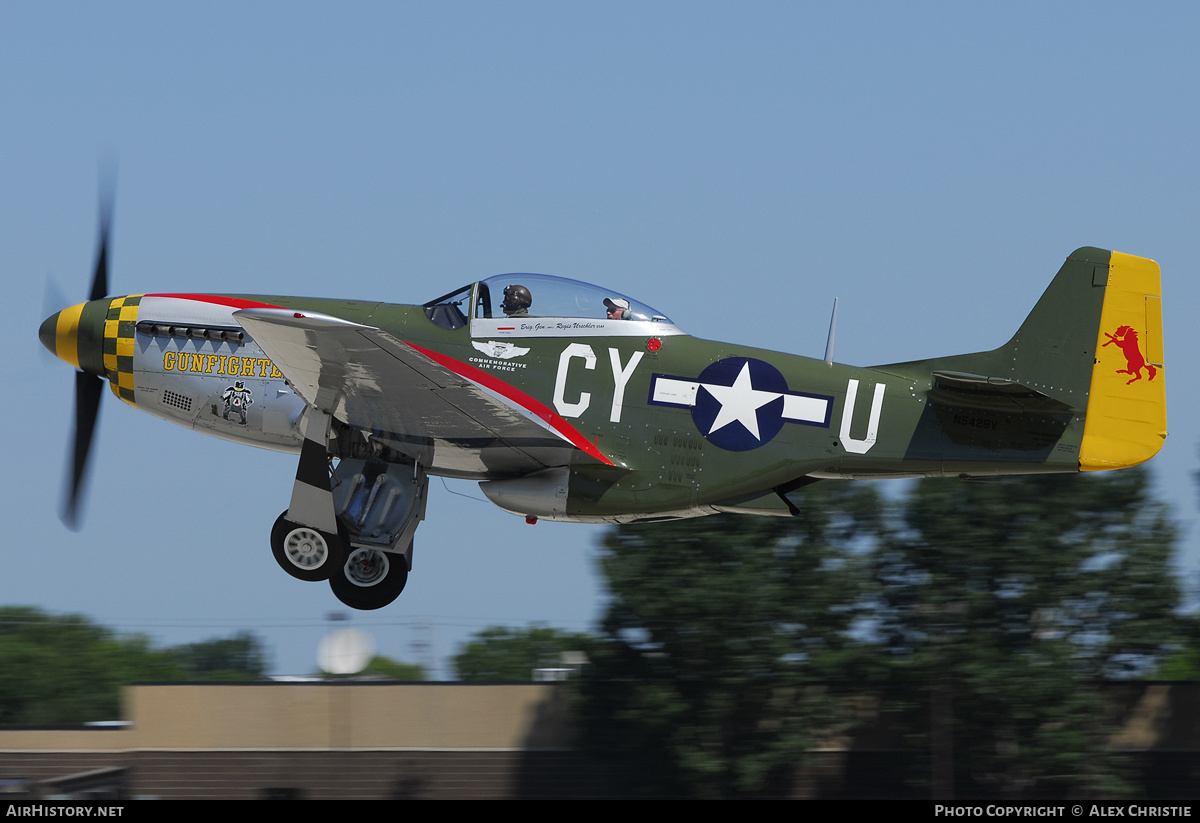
x: 620, y: 305
x: 516, y: 298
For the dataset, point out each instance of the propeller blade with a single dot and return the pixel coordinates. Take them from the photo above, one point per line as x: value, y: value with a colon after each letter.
x: 100, y: 275
x: 88, y: 389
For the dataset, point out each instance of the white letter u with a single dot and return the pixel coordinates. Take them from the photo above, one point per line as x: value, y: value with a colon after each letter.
x: 848, y: 442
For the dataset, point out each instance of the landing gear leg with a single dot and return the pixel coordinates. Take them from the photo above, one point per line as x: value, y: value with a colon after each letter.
x: 307, y: 541
x: 312, y: 493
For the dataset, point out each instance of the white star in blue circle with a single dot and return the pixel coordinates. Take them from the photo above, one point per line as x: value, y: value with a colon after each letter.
x: 739, y: 403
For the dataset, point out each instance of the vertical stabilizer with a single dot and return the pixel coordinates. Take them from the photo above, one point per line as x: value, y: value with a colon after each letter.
x: 1090, y: 352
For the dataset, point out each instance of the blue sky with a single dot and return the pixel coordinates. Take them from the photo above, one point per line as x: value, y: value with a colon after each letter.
x: 736, y: 166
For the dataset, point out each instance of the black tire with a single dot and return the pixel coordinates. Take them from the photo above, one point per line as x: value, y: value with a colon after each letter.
x: 304, y: 552
x: 369, y: 579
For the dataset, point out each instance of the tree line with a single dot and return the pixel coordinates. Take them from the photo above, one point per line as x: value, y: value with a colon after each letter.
x: 66, y: 669
x: 979, y: 619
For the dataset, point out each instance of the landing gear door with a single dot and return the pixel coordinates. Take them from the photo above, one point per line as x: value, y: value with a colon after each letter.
x: 379, y: 503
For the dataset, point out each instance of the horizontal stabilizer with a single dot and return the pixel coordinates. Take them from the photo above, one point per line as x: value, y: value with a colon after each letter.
x: 977, y: 391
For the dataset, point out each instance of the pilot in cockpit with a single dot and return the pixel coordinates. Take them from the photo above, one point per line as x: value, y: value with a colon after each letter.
x: 517, y: 301
x: 618, y: 308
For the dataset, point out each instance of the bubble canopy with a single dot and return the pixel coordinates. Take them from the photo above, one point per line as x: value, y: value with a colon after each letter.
x: 556, y: 305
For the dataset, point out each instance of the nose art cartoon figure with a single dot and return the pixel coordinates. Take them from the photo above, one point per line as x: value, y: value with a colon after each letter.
x: 237, y: 399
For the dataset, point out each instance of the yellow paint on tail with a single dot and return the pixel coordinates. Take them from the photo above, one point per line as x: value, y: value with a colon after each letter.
x: 1127, y: 404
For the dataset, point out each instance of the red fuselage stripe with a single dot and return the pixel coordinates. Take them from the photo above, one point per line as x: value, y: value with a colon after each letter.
x: 220, y: 300
x: 530, y: 404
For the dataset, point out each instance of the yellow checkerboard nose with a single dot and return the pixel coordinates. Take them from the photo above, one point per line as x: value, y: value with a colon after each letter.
x: 120, y: 325
x: 97, y: 337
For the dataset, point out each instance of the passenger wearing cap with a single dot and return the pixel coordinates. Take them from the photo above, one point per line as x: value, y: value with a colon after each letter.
x: 618, y: 308
x: 517, y: 301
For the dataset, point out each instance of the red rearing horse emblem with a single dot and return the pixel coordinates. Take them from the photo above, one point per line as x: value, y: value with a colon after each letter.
x: 1126, y: 339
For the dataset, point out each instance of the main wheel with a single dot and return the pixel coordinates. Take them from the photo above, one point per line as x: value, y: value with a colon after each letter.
x: 304, y: 552
x: 369, y: 579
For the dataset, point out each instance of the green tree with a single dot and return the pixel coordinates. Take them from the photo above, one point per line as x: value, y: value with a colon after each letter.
x: 64, y: 669
x: 240, y: 657
x: 721, y: 636
x: 386, y: 667
x: 1184, y: 664
x: 503, y: 654
x: 1001, y: 605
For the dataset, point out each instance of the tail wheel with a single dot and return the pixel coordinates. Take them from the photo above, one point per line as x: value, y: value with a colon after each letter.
x: 304, y: 552
x: 370, y: 579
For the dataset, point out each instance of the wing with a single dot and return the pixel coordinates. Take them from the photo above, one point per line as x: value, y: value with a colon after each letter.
x: 451, y: 417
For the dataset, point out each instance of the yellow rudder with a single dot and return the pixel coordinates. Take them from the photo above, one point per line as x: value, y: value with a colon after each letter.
x: 1127, y: 403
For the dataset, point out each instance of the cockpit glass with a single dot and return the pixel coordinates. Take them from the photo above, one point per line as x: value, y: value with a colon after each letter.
x: 543, y: 295
x: 449, y: 310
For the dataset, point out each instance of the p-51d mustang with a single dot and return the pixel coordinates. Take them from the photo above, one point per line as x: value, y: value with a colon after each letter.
x: 570, y: 402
